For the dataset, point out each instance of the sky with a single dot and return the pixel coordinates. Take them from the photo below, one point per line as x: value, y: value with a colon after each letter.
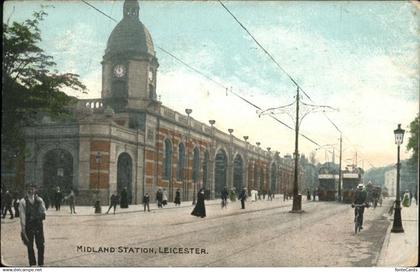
x: 360, y: 58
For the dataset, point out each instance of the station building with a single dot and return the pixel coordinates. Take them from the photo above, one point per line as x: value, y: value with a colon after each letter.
x: 129, y: 139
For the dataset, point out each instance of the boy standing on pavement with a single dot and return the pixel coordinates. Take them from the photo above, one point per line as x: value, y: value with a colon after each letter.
x: 32, y: 213
x: 146, y: 201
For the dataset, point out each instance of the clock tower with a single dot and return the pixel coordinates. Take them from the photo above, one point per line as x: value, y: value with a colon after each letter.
x: 129, y: 65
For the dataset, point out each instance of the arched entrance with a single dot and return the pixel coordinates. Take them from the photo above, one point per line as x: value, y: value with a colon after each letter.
x: 238, y: 173
x: 124, y: 174
x: 58, y: 170
x: 273, y: 183
x: 220, y: 172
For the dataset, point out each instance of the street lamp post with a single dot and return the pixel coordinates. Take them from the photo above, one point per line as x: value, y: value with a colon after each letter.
x: 188, y: 112
x: 97, y: 202
x: 397, y: 225
x: 211, y: 155
x: 247, y: 164
x: 256, y: 167
x: 231, y: 162
x: 297, y: 199
x: 267, y: 185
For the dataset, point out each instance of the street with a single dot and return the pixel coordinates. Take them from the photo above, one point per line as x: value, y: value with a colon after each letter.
x: 265, y: 234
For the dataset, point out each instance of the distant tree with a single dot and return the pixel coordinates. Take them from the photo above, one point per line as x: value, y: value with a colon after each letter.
x: 413, y: 141
x: 30, y: 85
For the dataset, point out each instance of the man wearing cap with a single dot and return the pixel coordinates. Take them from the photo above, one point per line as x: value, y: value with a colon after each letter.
x: 242, y: 198
x: 32, y: 213
x: 360, y: 198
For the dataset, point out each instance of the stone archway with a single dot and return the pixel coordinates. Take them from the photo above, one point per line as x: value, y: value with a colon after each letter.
x: 58, y: 170
x: 124, y: 175
x: 220, y: 172
x: 238, y: 175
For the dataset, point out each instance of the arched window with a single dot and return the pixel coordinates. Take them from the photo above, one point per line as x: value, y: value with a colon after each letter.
x: 167, y: 162
x: 196, y: 164
x: 181, y: 162
x: 238, y: 173
x: 220, y: 172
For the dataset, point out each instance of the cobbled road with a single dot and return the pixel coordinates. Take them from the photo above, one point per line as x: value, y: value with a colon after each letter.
x: 265, y: 234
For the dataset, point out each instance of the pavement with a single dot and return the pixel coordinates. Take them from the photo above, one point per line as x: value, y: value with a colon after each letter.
x: 401, y: 249
x: 90, y: 210
x: 268, y: 223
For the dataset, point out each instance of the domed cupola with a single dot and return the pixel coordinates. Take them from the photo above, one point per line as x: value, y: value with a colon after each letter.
x: 129, y: 65
x: 130, y: 36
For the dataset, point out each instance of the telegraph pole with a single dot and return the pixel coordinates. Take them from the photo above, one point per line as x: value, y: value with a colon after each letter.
x: 297, y: 199
x: 339, y: 169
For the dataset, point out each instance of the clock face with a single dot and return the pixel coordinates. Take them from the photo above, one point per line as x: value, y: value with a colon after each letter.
x: 119, y: 70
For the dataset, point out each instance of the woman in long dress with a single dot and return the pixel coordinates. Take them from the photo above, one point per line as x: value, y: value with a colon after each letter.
x: 200, y: 208
x: 406, y: 200
x: 177, y: 198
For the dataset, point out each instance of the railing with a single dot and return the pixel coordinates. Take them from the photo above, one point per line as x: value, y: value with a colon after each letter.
x: 92, y: 104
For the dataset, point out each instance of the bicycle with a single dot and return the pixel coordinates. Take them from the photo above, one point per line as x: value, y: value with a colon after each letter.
x: 358, y: 217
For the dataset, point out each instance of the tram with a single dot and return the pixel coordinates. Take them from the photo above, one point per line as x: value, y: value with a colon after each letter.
x: 327, y: 184
x: 352, y: 176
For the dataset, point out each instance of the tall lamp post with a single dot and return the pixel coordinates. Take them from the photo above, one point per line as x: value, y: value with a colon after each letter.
x: 97, y: 202
x: 247, y: 164
x: 267, y: 185
x: 211, y: 122
x: 256, y: 167
x: 397, y: 226
x: 231, y: 162
x: 188, y: 112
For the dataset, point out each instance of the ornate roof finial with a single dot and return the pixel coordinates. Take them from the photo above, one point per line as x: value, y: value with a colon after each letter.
x: 131, y: 9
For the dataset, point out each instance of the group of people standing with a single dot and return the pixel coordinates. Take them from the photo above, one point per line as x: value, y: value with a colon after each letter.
x: 116, y: 198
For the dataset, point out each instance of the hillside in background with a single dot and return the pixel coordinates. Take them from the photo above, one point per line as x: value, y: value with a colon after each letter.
x: 408, y: 175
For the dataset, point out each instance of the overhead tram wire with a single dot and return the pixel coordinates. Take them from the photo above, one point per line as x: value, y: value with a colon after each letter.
x: 234, y: 93
x: 274, y: 60
x: 209, y: 78
x: 100, y: 11
x: 265, y: 51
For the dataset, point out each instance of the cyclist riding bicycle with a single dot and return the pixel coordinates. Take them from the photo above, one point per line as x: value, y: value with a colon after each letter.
x: 359, y: 199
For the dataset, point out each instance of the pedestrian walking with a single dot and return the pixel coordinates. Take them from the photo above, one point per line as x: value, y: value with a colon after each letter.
x: 146, y: 200
x: 3, y: 192
x: 16, y: 203
x: 242, y: 198
x: 124, y: 199
x: 32, y: 213
x: 232, y: 195
x: 43, y: 193
x: 8, y: 200
x: 113, y: 202
x: 58, y: 197
x: 269, y: 195
x: 159, y: 198
x: 308, y: 195
x: 406, y: 200
x: 224, y: 196
x: 314, y: 194
x: 164, y: 197
x: 71, y: 198
x: 177, y: 198
x: 200, y: 208
x: 254, y: 195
